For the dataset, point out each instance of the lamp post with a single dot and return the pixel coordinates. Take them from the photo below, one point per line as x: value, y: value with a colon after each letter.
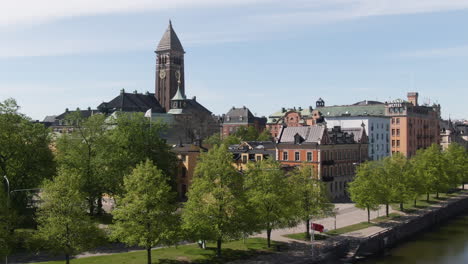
x: 8, y: 205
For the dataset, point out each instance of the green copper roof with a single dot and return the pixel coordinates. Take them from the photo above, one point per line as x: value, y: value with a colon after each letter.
x: 353, y: 110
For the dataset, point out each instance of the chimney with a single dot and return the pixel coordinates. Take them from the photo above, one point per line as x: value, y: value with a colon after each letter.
x: 413, y: 98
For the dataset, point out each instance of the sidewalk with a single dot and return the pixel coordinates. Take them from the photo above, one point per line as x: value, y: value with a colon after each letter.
x: 347, y: 215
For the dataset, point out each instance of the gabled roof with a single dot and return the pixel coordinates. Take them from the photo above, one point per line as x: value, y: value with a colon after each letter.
x: 309, y: 134
x: 170, y: 41
x: 84, y: 113
x: 359, y: 133
x: 132, y: 102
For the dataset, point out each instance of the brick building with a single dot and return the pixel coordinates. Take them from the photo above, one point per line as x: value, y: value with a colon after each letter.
x: 251, y: 151
x: 241, y: 117
x: 292, y: 117
x: 333, y: 153
x: 412, y: 126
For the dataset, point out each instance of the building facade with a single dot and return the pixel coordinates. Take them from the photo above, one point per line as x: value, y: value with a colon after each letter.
x: 241, y: 117
x: 412, y: 126
x: 333, y: 153
x: 451, y: 132
x: 292, y: 117
x: 371, y: 115
x: 251, y: 151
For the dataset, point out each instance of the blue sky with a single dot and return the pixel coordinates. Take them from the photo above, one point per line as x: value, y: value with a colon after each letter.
x: 264, y: 54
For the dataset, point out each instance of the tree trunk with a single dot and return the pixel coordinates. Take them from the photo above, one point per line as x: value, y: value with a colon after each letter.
x: 414, y: 202
x: 91, y: 206
x: 463, y: 185
x: 427, y: 197
x: 218, y: 247
x: 368, y: 214
x: 99, y: 205
x: 437, y: 195
x: 148, y: 253
x: 269, y: 237
x: 307, y: 229
x: 401, y: 206
x: 386, y: 209
x: 67, y: 258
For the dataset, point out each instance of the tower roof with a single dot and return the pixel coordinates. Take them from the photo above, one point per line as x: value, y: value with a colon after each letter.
x: 170, y: 41
x: 178, y: 95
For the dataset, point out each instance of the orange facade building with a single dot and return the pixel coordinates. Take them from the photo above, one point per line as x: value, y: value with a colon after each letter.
x: 412, y: 126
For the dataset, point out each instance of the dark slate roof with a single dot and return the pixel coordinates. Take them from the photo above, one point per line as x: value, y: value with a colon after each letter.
x: 309, y: 134
x: 191, y: 106
x: 49, y: 119
x: 239, y: 116
x: 84, y: 113
x: 357, y: 132
x: 339, y: 136
x: 132, y: 102
x: 170, y: 41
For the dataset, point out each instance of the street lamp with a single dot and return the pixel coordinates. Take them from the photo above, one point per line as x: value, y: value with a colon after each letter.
x: 8, y: 205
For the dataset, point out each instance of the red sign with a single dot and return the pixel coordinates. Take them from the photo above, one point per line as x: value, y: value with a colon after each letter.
x: 317, y: 227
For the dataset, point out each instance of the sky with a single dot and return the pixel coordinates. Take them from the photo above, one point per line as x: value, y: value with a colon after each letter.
x: 262, y: 54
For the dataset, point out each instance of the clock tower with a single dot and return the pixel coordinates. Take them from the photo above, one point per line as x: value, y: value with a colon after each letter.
x: 169, y: 68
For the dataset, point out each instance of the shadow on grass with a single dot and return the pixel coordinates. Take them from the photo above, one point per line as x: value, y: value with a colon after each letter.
x: 227, y: 255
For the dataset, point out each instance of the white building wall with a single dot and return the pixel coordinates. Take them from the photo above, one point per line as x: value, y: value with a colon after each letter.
x: 377, y: 129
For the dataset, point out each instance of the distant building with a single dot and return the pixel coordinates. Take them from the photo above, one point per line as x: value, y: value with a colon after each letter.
x: 451, y: 132
x: 292, y: 117
x: 333, y: 153
x: 252, y: 151
x: 371, y: 114
x: 187, y: 156
x: 413, y: 126
x: 241, y: 117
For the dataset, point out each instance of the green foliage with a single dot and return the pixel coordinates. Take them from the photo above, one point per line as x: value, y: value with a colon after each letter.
x: 432, y: 167
x: 6, y: 224
x: 214, y: 139
x: 362, y: 189
x: 310, y: 195
x: 270, y: 196
x: 216, y: 201
x: 63, y: 223
x: 135, y: 141
x: 86, y: 152
x: 264, y: 136
x: 457, y: 164
x: 231, y: 140
x: 25, y: 157
x: 146, y: 216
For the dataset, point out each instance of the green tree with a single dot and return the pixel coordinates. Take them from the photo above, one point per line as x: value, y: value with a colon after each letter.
x: 457, y: 164
x: 214, y: 139
x: 264, y: 136
x: 6, y: 225
x: 86, y: 152
x: 25, y: 156
x: 396, y: 172
x: 416, y: 183
x: 135, y: 140
x: 362, y: 188
x: 247, y: 133
x: 216, y: 199
x: 231, y: 140
x: 433, y: 165
x: 269, y: 194
x: 147, y: 214
x: 63, y: 223
x: 310, y: 196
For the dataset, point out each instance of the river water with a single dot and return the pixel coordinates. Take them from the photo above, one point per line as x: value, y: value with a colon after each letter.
x: 444, y: 244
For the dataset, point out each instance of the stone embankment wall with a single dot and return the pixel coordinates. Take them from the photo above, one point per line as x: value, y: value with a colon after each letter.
x: 412, y: 225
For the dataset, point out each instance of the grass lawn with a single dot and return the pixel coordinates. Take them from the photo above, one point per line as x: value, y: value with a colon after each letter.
x: 385, y: 218
x: 421, y: 202
x: 184, y: 254
x: 350, y: 228
x: 302, y: 236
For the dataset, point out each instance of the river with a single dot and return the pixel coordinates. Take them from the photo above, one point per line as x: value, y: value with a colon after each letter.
x: 447, y: 243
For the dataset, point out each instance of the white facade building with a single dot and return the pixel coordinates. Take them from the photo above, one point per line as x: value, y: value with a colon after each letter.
x: 377, y: 129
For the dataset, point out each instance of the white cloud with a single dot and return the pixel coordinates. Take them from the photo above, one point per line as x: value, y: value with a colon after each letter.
x: 460, y: 51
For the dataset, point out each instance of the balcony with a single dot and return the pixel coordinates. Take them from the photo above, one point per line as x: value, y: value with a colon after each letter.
x: 328, y: 162
x: 327, y: 178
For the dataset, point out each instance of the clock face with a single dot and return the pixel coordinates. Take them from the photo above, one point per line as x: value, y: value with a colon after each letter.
x: 162, y: 74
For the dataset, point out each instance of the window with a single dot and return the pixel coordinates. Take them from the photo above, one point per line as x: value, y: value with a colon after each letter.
x: 393, y: 132
x: 244, y: 158
x: 398, y: 120
x: 398, y: 132
x: 309, y: 156
x: 398, y: 143
x: 259, y: 157
x: 285, y: 155
x: 393, y: 143
x: 393, y: 120
x: 296, y: 156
